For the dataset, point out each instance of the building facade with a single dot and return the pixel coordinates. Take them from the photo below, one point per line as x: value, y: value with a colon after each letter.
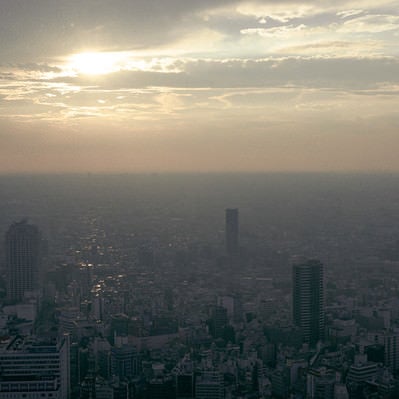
x: 22, y: 248
x: 232, y: 232
x: 308, y: 300
x: 33, y: 369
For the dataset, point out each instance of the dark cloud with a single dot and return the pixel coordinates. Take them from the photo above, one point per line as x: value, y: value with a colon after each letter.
x: 344, y: 73
x: 31, y: 30
x: 47, y: 27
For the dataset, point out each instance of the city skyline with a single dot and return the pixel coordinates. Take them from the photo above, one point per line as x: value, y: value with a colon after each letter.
x: 140, y: 296
x: 221, y: 86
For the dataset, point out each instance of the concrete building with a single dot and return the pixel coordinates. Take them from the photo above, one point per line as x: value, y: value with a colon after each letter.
x: 22, y: 246
x: 125, y: 362
x: 390, y: 340
x: 34, y: 369
x: 361, y: 370
x: 308, y: 300
x: 320, y: 383
x: 209, y: 385
x: 231, y: 232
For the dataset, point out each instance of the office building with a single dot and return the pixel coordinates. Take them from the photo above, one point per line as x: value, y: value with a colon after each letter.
x: 231, y: 232
x: 320, y: 383
x: 22, y: 247
x: 209, y: 385
x: 308, y: 300
x: 184, y: 373
x: 185, y: 386
x: 390, y: 341
x: 125, y: 362
x: 361, y: 370
x: 218, y: 321
x: 280, y: 380
x: 34, y: 369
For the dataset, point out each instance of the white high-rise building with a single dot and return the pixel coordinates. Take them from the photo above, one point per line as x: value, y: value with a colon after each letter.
x: 34, y: 369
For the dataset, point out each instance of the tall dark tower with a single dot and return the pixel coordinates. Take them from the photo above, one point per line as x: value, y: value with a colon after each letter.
x: 22, y: 259
x: 308, y: 300
x: 231, y: 231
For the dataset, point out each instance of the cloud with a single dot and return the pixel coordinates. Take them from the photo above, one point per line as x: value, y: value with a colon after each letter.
x: 254, y: 85
x: 338, y: 49
x: 47, y: 28
x: 187, y: 73
x: 34, y: 67
x: 371, y: 24
x: 277, y: 32
x: 209, y: 90
x: 291, y: 129
x: 349, y: 13
x: 281, y: 11
x: 268, y: 72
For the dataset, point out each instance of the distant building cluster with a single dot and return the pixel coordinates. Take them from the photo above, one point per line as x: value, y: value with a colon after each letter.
x: 112, y: 319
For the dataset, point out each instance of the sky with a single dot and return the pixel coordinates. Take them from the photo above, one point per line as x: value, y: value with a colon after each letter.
x: 115, y: 86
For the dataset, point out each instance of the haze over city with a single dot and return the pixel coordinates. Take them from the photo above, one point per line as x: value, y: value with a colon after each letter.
x: 155, y: 86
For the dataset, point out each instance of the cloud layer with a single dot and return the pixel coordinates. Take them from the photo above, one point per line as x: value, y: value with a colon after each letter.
x: 188, y: 85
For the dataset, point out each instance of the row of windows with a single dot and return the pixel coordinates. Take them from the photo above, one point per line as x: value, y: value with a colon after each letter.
x: 34, y: 388
x: 22, y: 358
x: 31, y: 395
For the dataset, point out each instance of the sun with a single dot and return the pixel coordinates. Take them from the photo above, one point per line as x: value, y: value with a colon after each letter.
x: 96, y: 63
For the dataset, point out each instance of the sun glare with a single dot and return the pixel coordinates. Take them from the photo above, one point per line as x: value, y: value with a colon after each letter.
x: 97, y: 63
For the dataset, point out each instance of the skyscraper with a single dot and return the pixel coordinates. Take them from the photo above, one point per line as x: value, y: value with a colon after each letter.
x: 231, y: 231
x: 22, y: 250
x: 308, y: 300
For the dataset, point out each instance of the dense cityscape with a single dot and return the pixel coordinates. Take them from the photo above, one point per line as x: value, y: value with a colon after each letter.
x: 199, y: 199
x: 199, y: 286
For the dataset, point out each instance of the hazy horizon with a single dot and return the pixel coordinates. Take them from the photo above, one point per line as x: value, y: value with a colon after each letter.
x: 86, y: 174
x: 305, y: 209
